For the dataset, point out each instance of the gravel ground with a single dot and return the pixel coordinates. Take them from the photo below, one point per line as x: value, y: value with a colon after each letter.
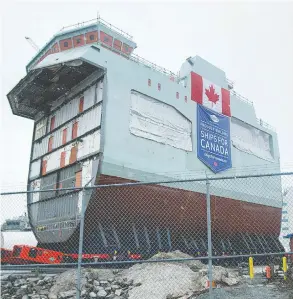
x: 146, y: 281
x: 258, y: 288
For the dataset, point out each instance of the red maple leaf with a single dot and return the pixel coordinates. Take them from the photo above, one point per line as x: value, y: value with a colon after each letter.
x: 212, y: 96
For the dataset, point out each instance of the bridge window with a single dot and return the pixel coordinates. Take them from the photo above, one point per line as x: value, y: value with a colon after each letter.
x: 65, y: 44
x: 91, y: 37
x: 117, y: 44
x: 106, y: 39
x: 55, y: 48
x: 126, y: 49
x: 78, y: 40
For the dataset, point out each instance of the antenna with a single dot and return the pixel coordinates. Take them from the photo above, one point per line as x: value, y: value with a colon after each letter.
x: 32, y: 43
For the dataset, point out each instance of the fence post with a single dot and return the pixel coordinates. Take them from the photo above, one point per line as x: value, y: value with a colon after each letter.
x: 209, y: 230
x: 81, y: 229
x: 80, y: 247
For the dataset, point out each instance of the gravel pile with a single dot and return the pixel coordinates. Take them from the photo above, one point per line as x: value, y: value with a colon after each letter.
x: 184, y: 279
x: 26, y: 286
x: 163, y: 280
x: 95, y: 284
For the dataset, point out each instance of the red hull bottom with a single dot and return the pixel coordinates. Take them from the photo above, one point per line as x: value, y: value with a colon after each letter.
x: 149, y: 218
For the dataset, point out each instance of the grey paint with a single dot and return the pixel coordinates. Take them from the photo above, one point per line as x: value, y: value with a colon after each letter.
x: 144, y: 156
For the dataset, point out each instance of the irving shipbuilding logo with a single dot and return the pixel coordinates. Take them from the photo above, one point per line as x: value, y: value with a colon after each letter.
x: 214, y: 118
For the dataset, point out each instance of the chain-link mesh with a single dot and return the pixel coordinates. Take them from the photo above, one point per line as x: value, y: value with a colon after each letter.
x: 146, y: 219
x: 250, y: 216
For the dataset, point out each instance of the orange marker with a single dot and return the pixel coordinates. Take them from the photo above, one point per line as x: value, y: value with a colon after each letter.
x: 268, y: 272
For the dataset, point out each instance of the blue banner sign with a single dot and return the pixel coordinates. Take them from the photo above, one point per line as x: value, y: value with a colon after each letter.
x: 213, y: 139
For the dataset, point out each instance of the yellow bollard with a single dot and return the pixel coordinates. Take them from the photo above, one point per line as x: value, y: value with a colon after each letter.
x: 285, y: 267
x: 251, y: 269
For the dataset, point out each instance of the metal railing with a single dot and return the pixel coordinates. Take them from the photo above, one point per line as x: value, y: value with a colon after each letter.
x: 265, y: 124
x: 230, y: 83
x: 138, y: 59
x: 95, y: 21
x: 240, y: 97
x: 153, y: 66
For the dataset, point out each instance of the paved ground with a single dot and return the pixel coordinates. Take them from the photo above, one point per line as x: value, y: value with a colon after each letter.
x: 257, y: 289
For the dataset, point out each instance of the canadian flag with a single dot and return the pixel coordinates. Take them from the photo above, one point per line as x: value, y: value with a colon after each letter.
x: 210, y: 95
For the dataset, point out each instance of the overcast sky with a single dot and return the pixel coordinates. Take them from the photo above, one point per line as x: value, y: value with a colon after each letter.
x: 251, y: 41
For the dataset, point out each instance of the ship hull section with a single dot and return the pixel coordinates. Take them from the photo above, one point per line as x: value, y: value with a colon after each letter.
x: 148, y: 218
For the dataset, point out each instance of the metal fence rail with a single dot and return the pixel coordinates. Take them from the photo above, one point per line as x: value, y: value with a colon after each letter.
x: 219, y: 221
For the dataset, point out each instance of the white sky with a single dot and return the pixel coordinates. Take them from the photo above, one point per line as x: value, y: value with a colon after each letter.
x: 252, y: 42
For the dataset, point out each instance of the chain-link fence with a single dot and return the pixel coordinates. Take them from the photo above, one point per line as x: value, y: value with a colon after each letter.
x: 218, y: 221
